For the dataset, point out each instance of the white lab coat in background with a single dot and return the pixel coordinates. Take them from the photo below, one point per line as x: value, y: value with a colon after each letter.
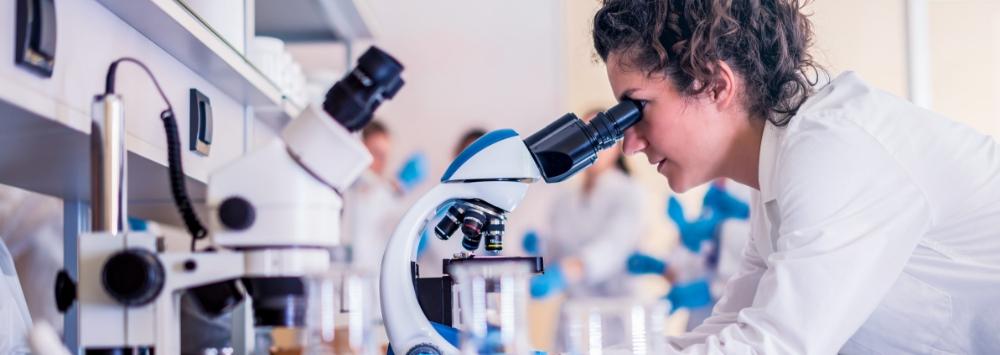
x: 876, y: 230
x: 370, y: 215
x: 15, y: 322
x: 31, y: 225
x: 601, y: 229
x: 733, y: 235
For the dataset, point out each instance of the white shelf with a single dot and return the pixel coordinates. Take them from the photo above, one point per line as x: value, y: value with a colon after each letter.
x: 314, y: 20
x: 178, y: 32
x: 39, y: 128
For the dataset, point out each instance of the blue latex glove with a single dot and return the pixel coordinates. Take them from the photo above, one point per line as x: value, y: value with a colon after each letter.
x: 675, y: 211
x: 413, y: 172
x: 692, y: 233
x: 694, y: 294
x: 639, y: 263
x: 530, y: 243
x: 548, y: 283
x: 137, y: 225
x: 723, y: 203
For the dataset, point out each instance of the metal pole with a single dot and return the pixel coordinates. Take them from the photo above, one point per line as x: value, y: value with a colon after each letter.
x: 108, y: 165
x: 76, y: 221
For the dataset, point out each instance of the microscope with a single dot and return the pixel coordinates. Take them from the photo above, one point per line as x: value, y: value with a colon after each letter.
x: 484, y: 183
x: 274, y: 217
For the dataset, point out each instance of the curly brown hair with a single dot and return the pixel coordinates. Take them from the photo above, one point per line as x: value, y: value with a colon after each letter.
x: 766, y: 42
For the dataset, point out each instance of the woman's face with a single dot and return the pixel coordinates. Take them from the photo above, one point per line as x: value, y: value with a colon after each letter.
x: 686, y: 138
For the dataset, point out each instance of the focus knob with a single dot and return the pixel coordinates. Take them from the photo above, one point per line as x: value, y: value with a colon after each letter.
x: 236, y: 213
x: 133, y: 277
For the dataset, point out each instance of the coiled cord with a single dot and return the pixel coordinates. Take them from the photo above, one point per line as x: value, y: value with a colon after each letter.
x: 175, y: 169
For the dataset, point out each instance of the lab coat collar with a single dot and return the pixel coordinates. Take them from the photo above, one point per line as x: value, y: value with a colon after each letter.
x: 769, y: 144
x: 772, y: 136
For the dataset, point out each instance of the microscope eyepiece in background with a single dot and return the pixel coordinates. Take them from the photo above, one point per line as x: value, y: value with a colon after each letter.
x: 353, y: 99
x: 569, y: 145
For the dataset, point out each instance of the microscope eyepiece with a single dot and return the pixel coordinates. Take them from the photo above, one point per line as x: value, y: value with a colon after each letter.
x: 569, y: 145
x: 609, y: 126
x: 353, y: 99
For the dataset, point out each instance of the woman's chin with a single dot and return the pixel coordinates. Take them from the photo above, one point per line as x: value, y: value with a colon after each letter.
x: 677, y: 187
x: 676, y: 181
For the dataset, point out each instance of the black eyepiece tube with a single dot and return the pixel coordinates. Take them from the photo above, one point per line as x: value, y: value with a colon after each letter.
x: 569, y: 145
x: 353, y: 99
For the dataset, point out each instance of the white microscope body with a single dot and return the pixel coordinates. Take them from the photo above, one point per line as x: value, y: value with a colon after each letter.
x: 294, y: 221
x: 486, y: 181
x: 497, y: 169
x: 274, y: 219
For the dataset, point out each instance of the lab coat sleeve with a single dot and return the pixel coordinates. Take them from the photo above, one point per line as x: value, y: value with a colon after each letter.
x: 605, y: 257
x: 845, y: 219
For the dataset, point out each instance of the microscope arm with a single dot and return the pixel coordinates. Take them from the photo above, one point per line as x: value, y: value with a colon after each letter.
x: 406, y: 323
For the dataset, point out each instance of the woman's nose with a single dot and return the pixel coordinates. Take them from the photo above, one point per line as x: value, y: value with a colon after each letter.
x: 632, y: 143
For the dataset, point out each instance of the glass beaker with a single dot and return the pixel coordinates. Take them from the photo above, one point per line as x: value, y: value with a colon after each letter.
x: 613, y: 326
x: 340, y: 314
x: 493, y: 303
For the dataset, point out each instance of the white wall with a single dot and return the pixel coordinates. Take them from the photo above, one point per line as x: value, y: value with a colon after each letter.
x: 965, y: 50
x: 491, y: 64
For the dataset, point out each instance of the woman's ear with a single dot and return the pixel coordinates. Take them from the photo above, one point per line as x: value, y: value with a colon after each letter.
x: 723, y: 91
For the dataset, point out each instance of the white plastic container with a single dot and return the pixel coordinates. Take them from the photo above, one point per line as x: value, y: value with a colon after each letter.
x: 493, y: 301
x: 340, y: 314
x: 265, y: 53
x: 614, y: 326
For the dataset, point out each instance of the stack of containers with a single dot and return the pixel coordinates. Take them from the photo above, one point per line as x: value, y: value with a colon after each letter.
x: 269, y: 55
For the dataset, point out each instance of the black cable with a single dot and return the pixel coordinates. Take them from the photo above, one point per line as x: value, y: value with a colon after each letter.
x: 175, y: 169
x: 109, y: 81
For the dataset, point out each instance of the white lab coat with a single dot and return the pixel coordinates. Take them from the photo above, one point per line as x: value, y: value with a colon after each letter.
x: 369, y: 218
x: 370, y: 215
x: 31, y: 225
x: 601, y: 229
x: 15, y: 322
x: 876, y: 230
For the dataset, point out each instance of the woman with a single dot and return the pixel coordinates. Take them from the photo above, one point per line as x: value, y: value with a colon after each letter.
x: 592, y: 231
x: 875, y: 224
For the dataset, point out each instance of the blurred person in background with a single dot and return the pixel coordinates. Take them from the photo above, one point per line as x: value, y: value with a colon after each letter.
x: 591, y: 232
x: 31, y: 225
x: 371, y: 204
x: 707, y: 253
